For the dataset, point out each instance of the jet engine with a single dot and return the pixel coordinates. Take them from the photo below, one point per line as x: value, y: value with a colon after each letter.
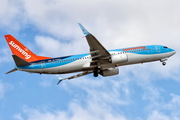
x: 119, y: 58
x: 110, y: 72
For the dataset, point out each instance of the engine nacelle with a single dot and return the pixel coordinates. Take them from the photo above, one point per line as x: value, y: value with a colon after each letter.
x: 110, y: 72
x: 119, y: 58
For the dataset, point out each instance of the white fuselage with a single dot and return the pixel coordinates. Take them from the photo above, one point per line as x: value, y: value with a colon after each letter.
x: 83, y: 63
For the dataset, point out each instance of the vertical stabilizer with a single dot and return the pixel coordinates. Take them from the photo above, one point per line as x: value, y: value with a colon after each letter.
x: 22, y: 51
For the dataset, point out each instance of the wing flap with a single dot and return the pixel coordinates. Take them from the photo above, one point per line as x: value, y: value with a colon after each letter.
x: 95, y: 56
x: 95, y: 45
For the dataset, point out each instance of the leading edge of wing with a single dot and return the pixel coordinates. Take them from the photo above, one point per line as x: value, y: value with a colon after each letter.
x: 84, y: 30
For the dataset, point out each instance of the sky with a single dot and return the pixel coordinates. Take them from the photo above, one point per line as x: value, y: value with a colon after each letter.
x: 147, y: 91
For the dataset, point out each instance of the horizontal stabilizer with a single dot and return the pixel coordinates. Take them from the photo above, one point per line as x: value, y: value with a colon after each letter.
x: 13, y: 70
x: 19, y: 61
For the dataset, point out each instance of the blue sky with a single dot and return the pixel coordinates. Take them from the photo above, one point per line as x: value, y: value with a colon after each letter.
x: 49, y: 28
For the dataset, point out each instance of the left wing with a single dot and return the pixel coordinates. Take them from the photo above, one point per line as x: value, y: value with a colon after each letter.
x: 74, y: 76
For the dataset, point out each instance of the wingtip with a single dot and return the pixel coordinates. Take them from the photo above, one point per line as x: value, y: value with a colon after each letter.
x: 59, y: 82
x: 60, y: 79
x: 83, y: 29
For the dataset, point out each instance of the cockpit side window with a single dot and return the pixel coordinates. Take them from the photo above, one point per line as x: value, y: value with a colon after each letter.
x: 165, y: 47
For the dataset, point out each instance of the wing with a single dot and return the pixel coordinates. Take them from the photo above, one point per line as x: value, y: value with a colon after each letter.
x: 74, y: 76
x: 97, y: 50
x: 98, y: 53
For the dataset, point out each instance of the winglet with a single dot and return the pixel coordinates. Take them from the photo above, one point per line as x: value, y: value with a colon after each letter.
x: 84, y: 30
x: 59, y: 82
x: 60, y: 79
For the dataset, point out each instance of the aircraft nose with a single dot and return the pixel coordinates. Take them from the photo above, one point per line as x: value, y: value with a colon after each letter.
x: 173, y: 52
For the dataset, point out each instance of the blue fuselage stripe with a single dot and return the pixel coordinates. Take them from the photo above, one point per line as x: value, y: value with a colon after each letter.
x: 60, y: 61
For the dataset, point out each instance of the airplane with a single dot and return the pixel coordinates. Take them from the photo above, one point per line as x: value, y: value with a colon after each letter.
x: 98, y: 61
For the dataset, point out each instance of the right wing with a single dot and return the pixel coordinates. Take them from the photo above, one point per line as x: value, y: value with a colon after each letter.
x: 99, y: 54
x: 74, y: 76
x: 97, y: 50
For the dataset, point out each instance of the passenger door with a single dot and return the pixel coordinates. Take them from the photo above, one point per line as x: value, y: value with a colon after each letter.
x: 157, y: 49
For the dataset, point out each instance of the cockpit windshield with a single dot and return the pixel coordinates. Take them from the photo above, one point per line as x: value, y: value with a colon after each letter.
x: 165, y: 47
